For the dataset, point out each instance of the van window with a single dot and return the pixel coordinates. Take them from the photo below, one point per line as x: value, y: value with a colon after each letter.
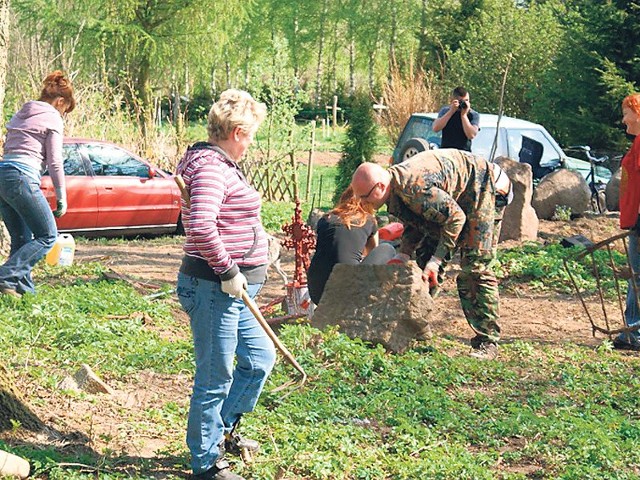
x: 550, y: 156
x: 420, y: 127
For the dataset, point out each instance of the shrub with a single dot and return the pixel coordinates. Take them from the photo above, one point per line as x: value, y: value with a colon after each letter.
x: 360, y: 143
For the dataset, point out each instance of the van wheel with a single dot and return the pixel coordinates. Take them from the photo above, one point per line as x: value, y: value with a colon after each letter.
x: 413, y: 146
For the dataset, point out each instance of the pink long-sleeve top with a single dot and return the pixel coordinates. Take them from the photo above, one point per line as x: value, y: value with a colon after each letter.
x: 34, y: 138
x: 222, y: 225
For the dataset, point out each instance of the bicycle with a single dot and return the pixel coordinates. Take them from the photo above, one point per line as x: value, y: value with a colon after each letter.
x: 597, y: 188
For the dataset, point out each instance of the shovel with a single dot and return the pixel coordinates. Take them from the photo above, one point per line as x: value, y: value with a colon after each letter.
x: 248, y: 301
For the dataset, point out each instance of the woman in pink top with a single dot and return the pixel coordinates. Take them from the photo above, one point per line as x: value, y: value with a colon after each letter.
x: 33, y: 144
x: 225, y: 254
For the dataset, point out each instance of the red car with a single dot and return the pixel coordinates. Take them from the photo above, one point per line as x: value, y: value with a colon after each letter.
x: 111, y: 191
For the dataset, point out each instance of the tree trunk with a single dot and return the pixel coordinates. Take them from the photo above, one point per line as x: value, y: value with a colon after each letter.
x: 320, y: 51
x: 352, y: 61
x: 144, y: 95
x: 13, y: 410
x: 393, y: 38
x: 4, y: 50
x: 5, y: 240
x: 422, y: 38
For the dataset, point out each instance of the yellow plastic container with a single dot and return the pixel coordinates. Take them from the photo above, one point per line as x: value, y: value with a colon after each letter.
x: 63, y: 251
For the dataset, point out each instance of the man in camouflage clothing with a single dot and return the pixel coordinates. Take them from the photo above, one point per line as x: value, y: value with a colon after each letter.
x: 447, y: 201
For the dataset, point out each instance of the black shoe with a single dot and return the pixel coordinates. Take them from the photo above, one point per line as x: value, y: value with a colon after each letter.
x: 220, y: 471
x: 484, y: 350
x: 237, y: 444
x: 621, y: 344
x: 478, y: 340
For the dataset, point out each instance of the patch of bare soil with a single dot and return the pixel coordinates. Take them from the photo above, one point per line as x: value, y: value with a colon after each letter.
x: 525, y: 315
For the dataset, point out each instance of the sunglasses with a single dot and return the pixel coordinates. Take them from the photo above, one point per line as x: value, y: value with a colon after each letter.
x: 363, y: 197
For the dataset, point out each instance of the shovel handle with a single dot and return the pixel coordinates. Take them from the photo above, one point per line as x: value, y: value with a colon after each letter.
x: 248, y: 301
x: 184, y: 193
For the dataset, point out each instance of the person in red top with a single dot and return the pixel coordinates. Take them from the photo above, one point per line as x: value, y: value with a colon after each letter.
x: 630, y: 216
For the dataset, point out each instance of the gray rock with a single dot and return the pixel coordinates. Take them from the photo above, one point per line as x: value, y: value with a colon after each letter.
x: 612, y: 191
x: 386, y: 304
x: 561, y: 187
x: 519, y: 221
x: 88, y: 381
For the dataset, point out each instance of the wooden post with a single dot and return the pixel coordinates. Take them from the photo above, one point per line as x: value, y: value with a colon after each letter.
x: 292, y: 156
x: 324, y: 128
x: 320, y: 192
x: 310, y: 163
x: 334, y: 113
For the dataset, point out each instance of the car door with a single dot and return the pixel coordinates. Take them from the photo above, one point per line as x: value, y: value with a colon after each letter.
x: 82, y: 198
x: 128, y: 195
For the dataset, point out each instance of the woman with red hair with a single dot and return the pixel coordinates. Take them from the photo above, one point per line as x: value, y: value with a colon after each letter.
x: 33, y: 145
x: 347, y: 234
x: 630, y: 217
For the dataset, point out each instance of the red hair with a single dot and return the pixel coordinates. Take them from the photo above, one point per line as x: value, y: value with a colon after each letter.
x: 633, y: 102
x: 351, y: 210
x: 56, y: 85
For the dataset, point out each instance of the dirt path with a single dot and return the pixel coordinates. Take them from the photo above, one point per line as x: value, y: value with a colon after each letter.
x: 549, y: 318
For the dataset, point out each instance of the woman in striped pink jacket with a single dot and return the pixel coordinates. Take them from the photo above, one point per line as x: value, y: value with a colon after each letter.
x: 225, y: 253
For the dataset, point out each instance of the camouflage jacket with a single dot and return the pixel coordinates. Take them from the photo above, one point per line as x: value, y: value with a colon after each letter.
x: 444, y: 189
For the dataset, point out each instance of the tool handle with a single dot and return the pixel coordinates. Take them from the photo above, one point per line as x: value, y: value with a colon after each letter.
x: 248, y: 301
x: 184, y: 193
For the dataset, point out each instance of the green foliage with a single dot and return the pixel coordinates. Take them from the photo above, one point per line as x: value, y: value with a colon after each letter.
x: 360, y: 143
x: 543, y: 268
x: 79, y: 317
x: 432, y: 412
x: 562, y: 212
x: 506, y: 35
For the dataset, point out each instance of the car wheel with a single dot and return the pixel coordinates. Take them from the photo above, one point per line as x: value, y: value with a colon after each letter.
x: 180, y: 226
x: 413, y: 146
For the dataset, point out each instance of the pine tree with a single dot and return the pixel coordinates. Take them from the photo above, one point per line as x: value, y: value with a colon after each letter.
x: 360, y: 143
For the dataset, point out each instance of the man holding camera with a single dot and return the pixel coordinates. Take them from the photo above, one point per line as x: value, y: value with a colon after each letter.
x: 459, y: 124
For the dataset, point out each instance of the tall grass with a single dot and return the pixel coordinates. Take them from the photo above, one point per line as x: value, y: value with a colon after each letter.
x: 408, y: 91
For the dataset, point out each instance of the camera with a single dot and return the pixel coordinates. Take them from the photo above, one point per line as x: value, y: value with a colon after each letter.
x: 462, y: 105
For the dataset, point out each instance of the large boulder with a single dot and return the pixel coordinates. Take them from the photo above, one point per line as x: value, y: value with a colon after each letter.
x: 386, y: 304
x: 612, y: 191
x: 519, y: 221
x: 562, y: 187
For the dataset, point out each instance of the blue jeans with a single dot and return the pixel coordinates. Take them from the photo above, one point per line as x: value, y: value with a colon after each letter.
x: 30, y: 223
x: 632, y: 313
x: 223, y: 328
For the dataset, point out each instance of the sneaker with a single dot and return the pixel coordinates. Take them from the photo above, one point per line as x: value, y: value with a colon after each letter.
x: 10, y: 291
x: 235, y: 443
x: 622, y: 344
x: 220, y: 471
x: 485, y: 351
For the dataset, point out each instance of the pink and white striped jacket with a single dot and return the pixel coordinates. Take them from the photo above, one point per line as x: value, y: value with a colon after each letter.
x: 223, y: 225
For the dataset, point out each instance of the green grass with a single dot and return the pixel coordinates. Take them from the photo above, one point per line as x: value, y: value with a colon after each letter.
x: 543, y: 268
x: 541, y: 411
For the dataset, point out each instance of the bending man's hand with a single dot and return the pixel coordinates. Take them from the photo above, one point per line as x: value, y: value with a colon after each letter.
x: 235, y: 286
x: 399, y: 259
x: 430, y: 272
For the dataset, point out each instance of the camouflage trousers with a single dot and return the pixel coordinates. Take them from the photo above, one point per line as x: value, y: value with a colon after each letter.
x: 477, y: 283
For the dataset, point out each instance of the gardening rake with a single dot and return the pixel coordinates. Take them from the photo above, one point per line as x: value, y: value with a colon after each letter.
x: 618, y: 275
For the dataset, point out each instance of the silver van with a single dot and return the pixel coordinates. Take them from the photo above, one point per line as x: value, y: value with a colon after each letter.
x: 418, y: 135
